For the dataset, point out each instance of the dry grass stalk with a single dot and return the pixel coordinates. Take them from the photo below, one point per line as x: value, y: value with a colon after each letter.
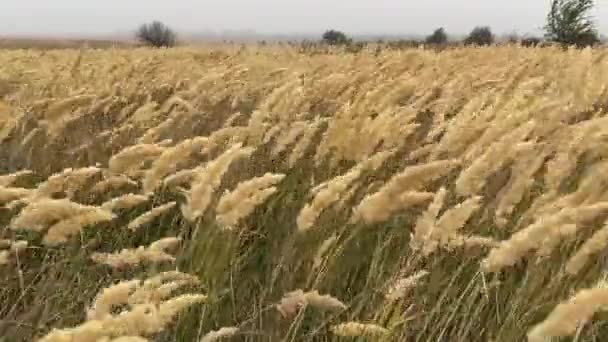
x: 59, y: 108
x: 12, y: 194
x: 521, y: 180
x: 356, y: 329
x: 318, y: 259
x: 240, y: 202
x: 110, y: 297
x: 126, y: 201
x: 61, y: 231
x: 112, y: 182
x: 181, y: 177
x: 160, y: 287
x: 169, y: 160
x: 595, y: 244
x: 68, y: 181
x: 331, y: 191
x: 225, y: 137
x: 288, y: 137
x: 323, y: 302
x: 293, y: 301
x: 401, y: 287
x: 137, y: 319
x: 567, y: 317
x: 531, y: 237
x: 230, y: 120
x: 558, y: 234
x: 219, y: 334
x: 155, y: 253
x: 150, y: 215
x: 400, y: 192
x: 130, y: 159
x: 431, y: 233
x: 473, y: 178
x: 40, y: 213
x: 304, y: 141
x: 271, y: 133
x: 142, y: 319
x: 208, y: 180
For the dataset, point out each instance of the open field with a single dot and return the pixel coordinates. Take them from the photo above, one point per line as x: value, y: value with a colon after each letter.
x: 394, y: 195
x: 53, y: 44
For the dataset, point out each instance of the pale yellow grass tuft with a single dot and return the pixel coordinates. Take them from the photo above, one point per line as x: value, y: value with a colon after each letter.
x: 12, y: 194
x: 356, y: 329
x: 239, y: 203
x: 331, y: 191
x: 224, y: 137
x: 288, y: 137
x: 169, y: 160
x: 567, y: 317
x: 130, y: 159
x: 271, y: 133
x: 40, y: 213
x: 230, y: 120
x: 401, y: 287
x: 111, y: 183
x: 595, y: 244
x: 531, y: 237
x: 473, y: 178
x: 401, y: 191
x: 150, y: 215
x: 304, y: 141
x: 110, y: 297
x: 61, y: 231
x: 137, y: 319
x: 125, y: 202
x: 293, y: 301
x: 159, y: 287
x: 64, y: 217
x: 219, y: 334
x: 323, y: 302
x: 431, y: 233
x: 208, y: 180
x: 155, y: 253
x: 181, y: 177
x: 68, y: 181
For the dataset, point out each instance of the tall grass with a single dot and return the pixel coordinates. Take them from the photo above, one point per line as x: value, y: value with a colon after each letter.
x: 260, y: 194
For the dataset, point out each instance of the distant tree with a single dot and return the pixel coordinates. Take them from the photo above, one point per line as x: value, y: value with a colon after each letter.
x: 156, y: 34
x: 438, y: 37
x: 334, y: 37
x: 481, y: 35
x: 568, y: 23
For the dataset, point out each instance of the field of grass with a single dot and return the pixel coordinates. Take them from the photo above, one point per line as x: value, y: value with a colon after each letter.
x: 54, y: 44
x: 261, y: 194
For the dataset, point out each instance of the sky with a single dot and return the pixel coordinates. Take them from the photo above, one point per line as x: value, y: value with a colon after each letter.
x: 92, y: 17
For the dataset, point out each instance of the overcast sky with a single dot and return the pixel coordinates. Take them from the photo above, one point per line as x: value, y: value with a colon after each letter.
x: 56, y: 17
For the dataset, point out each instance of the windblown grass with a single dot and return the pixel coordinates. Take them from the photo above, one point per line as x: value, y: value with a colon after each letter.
x: 260, y: 194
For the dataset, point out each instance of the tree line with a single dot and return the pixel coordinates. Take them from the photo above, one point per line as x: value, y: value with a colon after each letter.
x: 568, y: 23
